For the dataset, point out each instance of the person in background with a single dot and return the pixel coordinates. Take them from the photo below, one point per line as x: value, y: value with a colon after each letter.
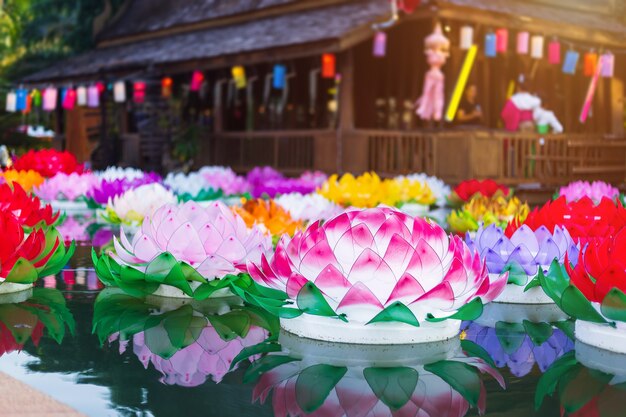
x: 469, y: 112
x: 517, y: 113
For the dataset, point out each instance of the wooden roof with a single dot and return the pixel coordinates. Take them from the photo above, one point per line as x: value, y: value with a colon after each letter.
x: 330, y: 28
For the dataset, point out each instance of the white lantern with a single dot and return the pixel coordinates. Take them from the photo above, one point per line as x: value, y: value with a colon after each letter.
x: 536, y: 47
x: 81, y: 96
x: 11, y: 102
x: 119, y: 92
x: 467, y: 37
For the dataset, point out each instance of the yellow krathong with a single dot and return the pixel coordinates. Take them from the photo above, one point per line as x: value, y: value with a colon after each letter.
x: 498, y: 210
x: 270, y: 215
x: 27, y: 179
x: 369, y: 190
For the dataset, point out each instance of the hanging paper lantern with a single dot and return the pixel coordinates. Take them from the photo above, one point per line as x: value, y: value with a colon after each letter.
x: 69, y: 99
x: 239, y: 75
x: 490, y: 45
x: 81, y: 96
x: 101, y: 87
x: 50, y: 97
x: 536, y: 47
x: 20, y: 99
x: 590, y: 63
x: 119, y: 92
x: 280, y: 77
x: 36, y: 95
x: 139, y: 92
x: 380, y: 45
x: 608, y: 65
x: 467, y: 37
x: 29, y: 104
x: 196, y: 81
x: 522, y: 42
x: 11, y: 102
x: 93, y: 96
x: 328, y: 65
x: 166, y: 86
x: 570, y: 62
x: 502, y: 40
x: 554, y: 52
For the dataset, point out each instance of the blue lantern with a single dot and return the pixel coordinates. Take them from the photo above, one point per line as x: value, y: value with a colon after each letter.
x: 280, y: 75
x: 570, y: 62
x: 20, y: 99
x: 490, y: 45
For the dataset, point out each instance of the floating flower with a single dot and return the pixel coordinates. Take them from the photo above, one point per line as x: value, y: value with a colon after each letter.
x: 26, y: 257
x: 469, y: 189
x: 191, y: 187
x: 259, y: 175
x: 48, y: 162
x: 376, y: 265
x: 484, y: 210
x: 131, y: 207
x: 268, y: 182
x: 118, y: 173
x: 182, y: 245
x: 519, y: 346
x: 66, y: 187
x: 269, y: 216
x: 76, y: 228
x: 225, y: 179
x: 27, y: 179
x: 222, y: 329
x: 596, y: 191
x: 110, y: 188
x: 523, y: 253
x: 440, y: 189
x: 369, y: 190
x: 26, y: 208
x: 309, y: 207
x: 583, y: 219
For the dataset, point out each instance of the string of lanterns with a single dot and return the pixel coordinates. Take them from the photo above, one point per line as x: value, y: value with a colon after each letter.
x: 23, y: 100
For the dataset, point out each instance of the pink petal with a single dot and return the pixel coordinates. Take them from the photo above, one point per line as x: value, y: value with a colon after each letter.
x: 407, y: 288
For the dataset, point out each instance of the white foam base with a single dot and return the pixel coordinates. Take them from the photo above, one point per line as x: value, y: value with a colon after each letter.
x: 514, y: 294
x: 173, y: 292
x: 10, y: 287
x: 334, y: 330
x: 602, y: 336
x: 517, y: 313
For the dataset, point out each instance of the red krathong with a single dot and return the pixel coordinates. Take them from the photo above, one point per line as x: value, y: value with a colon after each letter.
x: 467, y: 189
x: 601, y: 267
x: 27, y: 209
x: 48, y: 162
x: 584, y: 220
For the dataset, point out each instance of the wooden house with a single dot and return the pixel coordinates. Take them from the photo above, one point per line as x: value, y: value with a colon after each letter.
x: 362, y: 119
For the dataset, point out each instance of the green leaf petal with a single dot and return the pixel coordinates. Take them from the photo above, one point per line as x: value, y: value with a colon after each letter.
x: 393, y: 386
x: 470, y: 311
x: 574, y: 303
x: 311, y: 300
x: 538, y: 332
x: 259, y: 348
x: 396, y: 312
x: 460, y: 376
x: 510, y: 335
x: 265, y: 364
x: 23, y: 272
x: 613, y: 306
x: 548, y: 382
x: 315, y: 383
x: 517, y: 275
x: 475, y: 350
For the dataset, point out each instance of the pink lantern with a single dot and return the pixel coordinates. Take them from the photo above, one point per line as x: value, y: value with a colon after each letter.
x: 69, y: 101
x: 196, y: 81
x: 93, y: 96
x: 380, y: 44
x: 502, y: 40
x: 139, y: 92
x: 608, y: 65
x: 554, y: 52
x: 50, y: 96
x: 522, y: 43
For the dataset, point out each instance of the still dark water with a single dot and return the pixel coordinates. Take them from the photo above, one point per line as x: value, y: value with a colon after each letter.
x: 109, y: 354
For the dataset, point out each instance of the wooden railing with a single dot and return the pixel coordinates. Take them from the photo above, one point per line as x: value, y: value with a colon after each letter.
x: 289, y: 151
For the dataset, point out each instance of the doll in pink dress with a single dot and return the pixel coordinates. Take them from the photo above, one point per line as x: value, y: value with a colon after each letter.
x: 430, y: 104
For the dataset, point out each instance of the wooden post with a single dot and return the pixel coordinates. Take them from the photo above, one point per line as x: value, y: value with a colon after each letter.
x: 345, y: 126
x: 617, y: 107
